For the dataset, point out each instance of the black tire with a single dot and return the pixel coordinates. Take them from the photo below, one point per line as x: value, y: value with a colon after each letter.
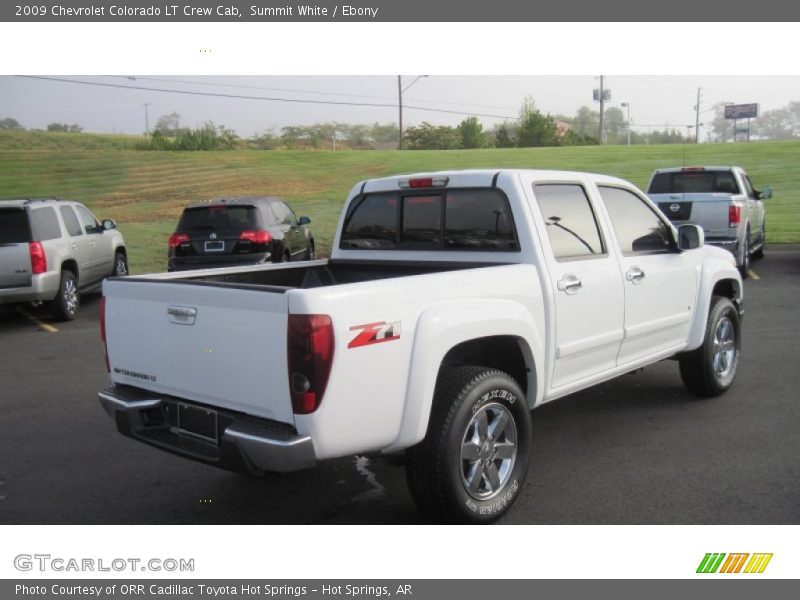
x: 759, y: 254
x: 310, y: 253
x: 67, y: 302
x: 710, y: 370
x: 440, y: 468
x: 744, y: 268
x: 120, y: 265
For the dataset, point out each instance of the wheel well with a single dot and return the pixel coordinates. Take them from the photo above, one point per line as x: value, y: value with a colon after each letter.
x: 503, y: 352
x: 122, y: 250
x: 72, y: 266
x: 728, y: 288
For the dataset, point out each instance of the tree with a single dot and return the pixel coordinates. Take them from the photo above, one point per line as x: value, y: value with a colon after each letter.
x: 535, y: 129
x: 471, y: 132
x: 774, y: 125
x: 169, y: 125
x: 9, y: 124
x: 586, y: 122
x: 720, y: 129
x: 431, y: 137
x: 63, y: 127
x: 616, y: 125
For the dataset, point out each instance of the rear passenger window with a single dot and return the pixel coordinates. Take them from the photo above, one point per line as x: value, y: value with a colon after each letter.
x: 571, y: 222
x: 71, y: 221
x: 44, y: 224
x: 638, y: 227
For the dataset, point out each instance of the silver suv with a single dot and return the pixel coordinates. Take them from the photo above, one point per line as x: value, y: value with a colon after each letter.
x: 52, y: 249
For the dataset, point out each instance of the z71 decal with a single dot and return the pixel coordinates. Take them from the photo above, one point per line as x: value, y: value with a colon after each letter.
x: 374, y: 333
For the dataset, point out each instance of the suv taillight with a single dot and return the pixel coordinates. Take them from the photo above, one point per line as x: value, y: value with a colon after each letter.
x: 103, y: 331
x: 310, y: 355
x: 38, y: 258
x: 176, y: 239
x: 257, y: 237
x: 734, y: 216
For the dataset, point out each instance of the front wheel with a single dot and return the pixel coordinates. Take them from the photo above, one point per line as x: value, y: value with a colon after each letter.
x: 120, y: 265
x: 710, y: 369
x: 310, y: 254
x: 473, y: 461
x: 744, y: 264
x: 759, y: 254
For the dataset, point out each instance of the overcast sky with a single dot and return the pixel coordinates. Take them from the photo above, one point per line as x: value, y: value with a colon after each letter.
x: 656, y: 100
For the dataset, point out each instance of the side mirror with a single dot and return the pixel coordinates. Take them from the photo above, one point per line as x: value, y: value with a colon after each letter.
x: 303, y: 221
x: 109, y: 224
x: 765, y: 193
x: 690, y: 237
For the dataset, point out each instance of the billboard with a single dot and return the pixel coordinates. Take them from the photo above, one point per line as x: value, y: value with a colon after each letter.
x: 741, y: 111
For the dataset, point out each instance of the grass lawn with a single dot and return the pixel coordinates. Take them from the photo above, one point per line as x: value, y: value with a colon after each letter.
x: 144, y: 191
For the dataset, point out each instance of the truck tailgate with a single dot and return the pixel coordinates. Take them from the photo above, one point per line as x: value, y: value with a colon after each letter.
x: 210, y: 344
x: 709, y: 210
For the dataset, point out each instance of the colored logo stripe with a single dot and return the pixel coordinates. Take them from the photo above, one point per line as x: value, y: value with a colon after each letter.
x: 733, y: 564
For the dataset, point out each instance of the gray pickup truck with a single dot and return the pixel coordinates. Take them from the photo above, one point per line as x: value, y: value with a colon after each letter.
x: 53, y: 249
x: 721, y: 200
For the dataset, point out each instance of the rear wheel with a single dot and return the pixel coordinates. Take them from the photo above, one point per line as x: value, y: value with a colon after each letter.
x: 710, y: 369
x: 67, y: 301
x: 473, y: 461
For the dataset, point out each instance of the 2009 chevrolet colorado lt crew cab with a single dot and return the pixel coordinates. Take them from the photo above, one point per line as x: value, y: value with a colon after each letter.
x: 452, y: 305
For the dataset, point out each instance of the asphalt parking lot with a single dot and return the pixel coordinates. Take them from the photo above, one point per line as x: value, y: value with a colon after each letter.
x: 637, y: 450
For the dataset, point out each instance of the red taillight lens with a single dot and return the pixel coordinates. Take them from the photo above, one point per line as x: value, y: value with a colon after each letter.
x: 103, y: 331
x: 38, y: 258
x: 176, y: 239
x: 310, y: 355
x: 257, y: 237
x: 734, y: 216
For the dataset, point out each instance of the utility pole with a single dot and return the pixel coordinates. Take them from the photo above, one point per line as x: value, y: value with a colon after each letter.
x: 697, y: 117
x: 628, y: 106
x: 602, y: 104
x: 146, y: 119
x: 400, y: 105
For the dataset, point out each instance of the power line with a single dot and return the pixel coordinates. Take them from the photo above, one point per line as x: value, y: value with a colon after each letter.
x: 299, y: 91
x: 262, y: 98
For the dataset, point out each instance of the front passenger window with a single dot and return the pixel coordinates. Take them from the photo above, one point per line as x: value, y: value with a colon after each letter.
x: 638, y: 227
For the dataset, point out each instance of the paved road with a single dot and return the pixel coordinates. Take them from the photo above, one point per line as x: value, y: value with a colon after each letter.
x: 637, y: 450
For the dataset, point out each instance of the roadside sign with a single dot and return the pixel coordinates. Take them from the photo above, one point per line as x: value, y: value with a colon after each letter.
x: 741, y: 111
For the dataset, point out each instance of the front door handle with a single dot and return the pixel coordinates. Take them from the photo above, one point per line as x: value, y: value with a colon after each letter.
x: 569, y: 284
x: 635, y: 275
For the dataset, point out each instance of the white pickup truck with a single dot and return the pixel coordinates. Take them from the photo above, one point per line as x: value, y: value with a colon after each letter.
x: 453, y: 303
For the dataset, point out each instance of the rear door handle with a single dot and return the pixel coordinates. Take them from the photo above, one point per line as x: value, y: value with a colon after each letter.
x: 569, y: 284
x: 635, y: 275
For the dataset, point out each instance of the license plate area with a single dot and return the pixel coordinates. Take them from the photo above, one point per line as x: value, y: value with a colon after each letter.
x: 197, y: 421
x: 214, y: 246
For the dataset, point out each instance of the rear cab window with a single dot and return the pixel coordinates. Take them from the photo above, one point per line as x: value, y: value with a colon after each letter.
x: 449, y: 219
x: 698, y: 181
x: 14, y: 227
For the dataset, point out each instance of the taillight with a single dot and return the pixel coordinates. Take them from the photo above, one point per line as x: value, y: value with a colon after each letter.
x: 38, y: 258
x: 103, y: 331
x: 310, y: 355
x: 734, y: 216
x: 257, y: 237
x: 176, y: 239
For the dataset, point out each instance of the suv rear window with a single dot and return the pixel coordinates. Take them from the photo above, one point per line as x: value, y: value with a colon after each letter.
x: 685, y: 182
x: 217, y: 217
x: 14, y: 227
x: 455, y: 219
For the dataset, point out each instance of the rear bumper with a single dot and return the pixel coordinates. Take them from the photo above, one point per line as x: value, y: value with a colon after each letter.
x: 188, y: 263
x: 242, y: 443
x: 43, y: 287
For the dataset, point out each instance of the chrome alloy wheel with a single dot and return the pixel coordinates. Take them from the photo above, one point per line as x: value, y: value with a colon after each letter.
x: 70, y: 296
x: 724, y: 348
x: 488, y: 451
x: 121, y: 266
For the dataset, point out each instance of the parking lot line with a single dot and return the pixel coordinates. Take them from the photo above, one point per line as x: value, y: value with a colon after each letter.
x: 37, y: 322
x: 753, y: 275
